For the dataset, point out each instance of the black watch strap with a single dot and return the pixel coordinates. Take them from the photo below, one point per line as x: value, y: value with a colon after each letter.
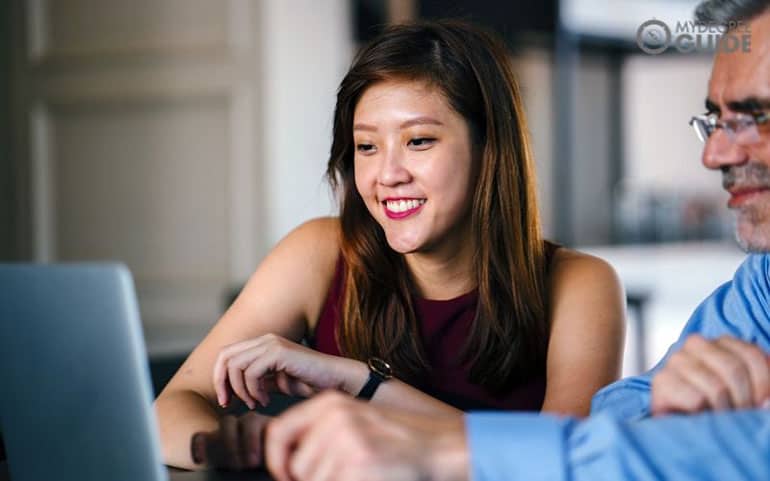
x: 370, y: 387
x: 379, y: 371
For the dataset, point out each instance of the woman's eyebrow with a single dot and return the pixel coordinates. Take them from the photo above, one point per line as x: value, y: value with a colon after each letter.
x: 370, y: 128
x: 421, y: 121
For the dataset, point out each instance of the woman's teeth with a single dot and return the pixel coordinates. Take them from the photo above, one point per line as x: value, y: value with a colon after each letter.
x: 403, y: 205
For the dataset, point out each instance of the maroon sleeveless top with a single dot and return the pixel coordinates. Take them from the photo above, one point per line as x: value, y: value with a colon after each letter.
x: 444, y: 327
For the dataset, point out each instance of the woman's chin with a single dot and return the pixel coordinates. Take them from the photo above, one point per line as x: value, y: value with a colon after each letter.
x: 401, y: 249
x: 404, y: 246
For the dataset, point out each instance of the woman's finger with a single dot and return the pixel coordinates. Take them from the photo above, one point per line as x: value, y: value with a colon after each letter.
x: 198, y: 448
x: 220, y: 371
x: 235, y: 377
x: 280, y: 382
x: 232, y: 454
x: 252, y: 437
x: 254, y: 375
x: 297, y: 387
x: 253, y: 365
x: 218, y: 449
x: 220, y: 380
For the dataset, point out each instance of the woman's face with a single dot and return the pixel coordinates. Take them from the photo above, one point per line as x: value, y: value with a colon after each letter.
x: 414, y: 166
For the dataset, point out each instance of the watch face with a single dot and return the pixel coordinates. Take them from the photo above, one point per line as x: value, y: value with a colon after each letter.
x: 380, y: 367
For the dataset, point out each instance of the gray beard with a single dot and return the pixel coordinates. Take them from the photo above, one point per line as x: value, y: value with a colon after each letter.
x: 753, y: 173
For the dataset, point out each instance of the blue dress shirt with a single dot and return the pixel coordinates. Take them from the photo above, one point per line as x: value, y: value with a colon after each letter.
x: 619, y: 442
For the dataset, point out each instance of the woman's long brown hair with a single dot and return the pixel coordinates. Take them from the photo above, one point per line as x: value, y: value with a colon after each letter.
x: 509, y: 337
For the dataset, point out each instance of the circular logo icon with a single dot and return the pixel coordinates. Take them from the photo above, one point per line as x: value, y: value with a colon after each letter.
x: 653, y: 37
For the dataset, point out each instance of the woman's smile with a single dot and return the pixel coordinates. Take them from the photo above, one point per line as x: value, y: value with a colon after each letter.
x: 396, y: 208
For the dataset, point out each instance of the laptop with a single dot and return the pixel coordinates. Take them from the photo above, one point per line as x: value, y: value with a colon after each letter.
x: 76, y: 400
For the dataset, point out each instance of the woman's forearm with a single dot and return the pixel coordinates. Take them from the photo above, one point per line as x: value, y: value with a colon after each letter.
x: 393, y: 392
x: 181, y: 414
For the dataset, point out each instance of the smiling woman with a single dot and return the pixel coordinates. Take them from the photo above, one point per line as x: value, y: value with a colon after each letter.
x: 434, y: 289
x: 414, y: 167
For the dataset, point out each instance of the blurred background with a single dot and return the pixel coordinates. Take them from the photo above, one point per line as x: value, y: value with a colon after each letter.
x: 186, y: 137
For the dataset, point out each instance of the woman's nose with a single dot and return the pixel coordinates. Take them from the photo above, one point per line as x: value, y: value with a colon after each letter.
x: 393, y: 168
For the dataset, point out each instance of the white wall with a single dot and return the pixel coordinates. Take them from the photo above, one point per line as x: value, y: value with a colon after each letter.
x: 535, y: 75
x: 306, y: 51
x: 182, y: 137
x: 660, y: 94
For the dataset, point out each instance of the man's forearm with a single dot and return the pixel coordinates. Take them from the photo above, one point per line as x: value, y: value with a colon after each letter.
x: 727, y: 445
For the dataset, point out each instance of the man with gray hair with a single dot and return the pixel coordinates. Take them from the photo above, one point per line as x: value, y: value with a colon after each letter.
x: 717, y: 373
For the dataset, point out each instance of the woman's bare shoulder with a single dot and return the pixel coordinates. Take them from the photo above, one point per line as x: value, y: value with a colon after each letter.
x: 315, y: 245
x: 321, y: 233
x: 570, y: 263
x: 319, y: 242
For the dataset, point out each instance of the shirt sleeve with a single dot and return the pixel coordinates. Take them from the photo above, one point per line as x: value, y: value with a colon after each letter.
x: 739, y: 308
x: 713, y: 446
x: 516, y: 446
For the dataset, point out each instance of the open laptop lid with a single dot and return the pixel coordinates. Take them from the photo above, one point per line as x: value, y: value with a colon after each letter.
x: 76, y: 401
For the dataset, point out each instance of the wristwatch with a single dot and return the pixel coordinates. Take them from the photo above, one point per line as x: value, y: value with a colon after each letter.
x: 379, y: 371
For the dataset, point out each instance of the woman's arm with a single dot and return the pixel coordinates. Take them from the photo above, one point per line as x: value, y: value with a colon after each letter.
x: 287, y: 289
x: 585, y: 351
x: 253, y: 369
x: 395, y: 393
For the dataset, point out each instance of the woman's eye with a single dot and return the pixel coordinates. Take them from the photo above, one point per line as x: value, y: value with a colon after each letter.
x: 365, y: 148
x: 422, y: 142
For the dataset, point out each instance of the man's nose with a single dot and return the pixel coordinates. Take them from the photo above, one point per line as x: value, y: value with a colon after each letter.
x: 721, y: 151
x: 393, y: 168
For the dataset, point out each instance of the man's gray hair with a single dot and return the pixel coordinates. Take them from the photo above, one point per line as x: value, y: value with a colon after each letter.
x: 726, y: 12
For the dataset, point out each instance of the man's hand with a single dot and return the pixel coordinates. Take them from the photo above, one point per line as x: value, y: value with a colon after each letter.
x: 334, y: 437
x: 719, y: 374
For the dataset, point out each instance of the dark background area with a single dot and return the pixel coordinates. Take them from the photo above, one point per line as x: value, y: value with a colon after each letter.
x: 508, y: 18
x: 7, y: 244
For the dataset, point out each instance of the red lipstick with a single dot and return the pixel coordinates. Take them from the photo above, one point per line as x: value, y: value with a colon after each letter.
x: 402, y: 215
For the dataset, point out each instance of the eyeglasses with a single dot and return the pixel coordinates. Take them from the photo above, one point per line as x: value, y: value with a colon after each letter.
x: 741, y: 129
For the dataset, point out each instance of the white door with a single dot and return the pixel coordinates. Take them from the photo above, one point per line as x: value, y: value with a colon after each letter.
x: 143, y: 121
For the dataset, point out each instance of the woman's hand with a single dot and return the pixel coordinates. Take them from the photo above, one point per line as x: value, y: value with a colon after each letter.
x: 254, y: 368
x: 236, y: 445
